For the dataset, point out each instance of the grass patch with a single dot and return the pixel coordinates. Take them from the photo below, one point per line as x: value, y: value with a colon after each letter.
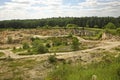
x: 26, y: 53
x: 24, y: 63
x: 51, y: 44
x: 60, y: 48
x: 117, y: 48
x: 18, y: 50
x: 103, y: 71
x: 1, y: 54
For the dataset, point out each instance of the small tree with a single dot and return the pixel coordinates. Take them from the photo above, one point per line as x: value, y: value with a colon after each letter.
x: 41, y: 49
x: 25, y: 45
x: 75, y: 44
x: 110, y: 26
x: 35, y: 43
x: 52, y: 59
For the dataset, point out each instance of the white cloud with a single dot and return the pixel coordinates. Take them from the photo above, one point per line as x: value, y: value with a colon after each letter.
x: 22, y: 9
x: 103, y: 8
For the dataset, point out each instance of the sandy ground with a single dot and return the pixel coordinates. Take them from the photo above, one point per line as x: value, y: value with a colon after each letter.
x: 106, y: 45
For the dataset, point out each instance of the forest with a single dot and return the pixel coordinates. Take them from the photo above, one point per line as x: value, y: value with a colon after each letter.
x: 91, y: 22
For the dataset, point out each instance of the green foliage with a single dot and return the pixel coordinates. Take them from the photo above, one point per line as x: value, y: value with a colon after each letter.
x: 96, y: 26
x: 39, y: 47
x: 70, y: 35
x: 18, y: 50
x: 46, y: 26
x: 26, y: 45
x: 53, y: 44
x: 60, y: 21
x: 117, y: 48
x: 57, y: 42
x: 78, y: 72
x: 9, y: 40
x: 118, y: 31
x: 99, y: 35
x: 110, y: 26
x: 71, y: 26
x: 52, y: 59
x: 75, y: 44
x: 118, y: 72
x: 35, y: 43
x: 87, y: 26
x: 113, y: 31
x: 33, y: 39
x: 1, y: 54
x: 48, y: 45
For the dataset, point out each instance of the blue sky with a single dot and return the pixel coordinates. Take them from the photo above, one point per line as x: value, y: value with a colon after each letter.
x: 3, y: 1
x: 35, y: 9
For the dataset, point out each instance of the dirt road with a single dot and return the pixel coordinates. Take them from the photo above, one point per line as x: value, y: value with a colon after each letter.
x: 64, y: 55
x: 106, y: 45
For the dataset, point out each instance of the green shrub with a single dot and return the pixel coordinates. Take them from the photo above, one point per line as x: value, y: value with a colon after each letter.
x: 110, y: 31
x: 110, y: 26
x: 26, y: 45
x: 57, y: 42
x: 52, y: 59
x: 99, y: 35
x: 117, y: 48
x: 72, y: 26
x: 33, y: 39
x: 35, y: 43
x: 118, y: 31
x: 118, y: 72
x: 75, y: 44
x: 40, y: 49
x: 48, y: 45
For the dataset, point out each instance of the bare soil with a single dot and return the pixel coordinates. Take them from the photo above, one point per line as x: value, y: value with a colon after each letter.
x: 36, y: 67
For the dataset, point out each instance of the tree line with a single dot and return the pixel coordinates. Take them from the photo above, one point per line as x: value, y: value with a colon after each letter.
x: 90, y: 22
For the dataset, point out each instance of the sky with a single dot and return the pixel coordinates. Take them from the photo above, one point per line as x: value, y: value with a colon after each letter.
x: 37, y: 9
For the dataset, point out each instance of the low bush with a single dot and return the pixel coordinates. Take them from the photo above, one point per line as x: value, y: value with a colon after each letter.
x: 75, y: 44
x: 118, y: 31
x: 41, y: 49
x: 26, y: 45
x: 52, y: 59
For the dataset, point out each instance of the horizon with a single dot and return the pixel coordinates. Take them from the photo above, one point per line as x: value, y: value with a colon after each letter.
x: 61, y: 17
x: 39, y: 9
